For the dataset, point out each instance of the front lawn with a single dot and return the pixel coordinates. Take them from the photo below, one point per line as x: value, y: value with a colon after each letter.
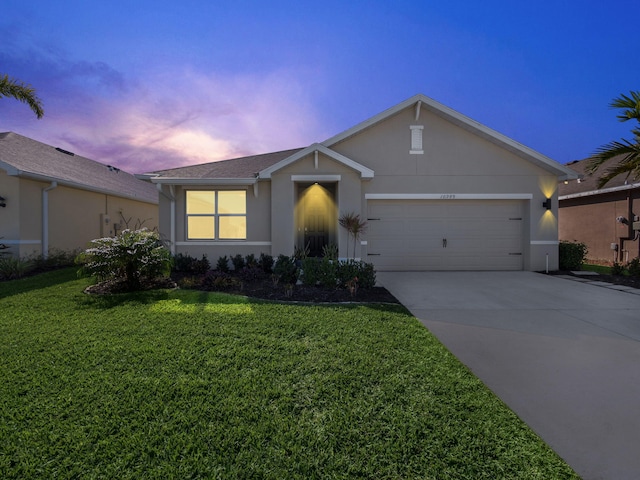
x: 185, y: 384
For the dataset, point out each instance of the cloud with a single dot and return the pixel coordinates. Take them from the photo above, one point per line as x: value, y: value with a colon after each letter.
x: 170, y: 117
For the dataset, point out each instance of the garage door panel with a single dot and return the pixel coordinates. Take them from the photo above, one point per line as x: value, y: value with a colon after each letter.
x: 480, y: 235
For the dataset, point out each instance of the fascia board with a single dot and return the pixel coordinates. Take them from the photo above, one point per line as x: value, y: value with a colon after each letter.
x: 364, y: 171
x: 10, y: 169
x: 202, y: 181
x: 466, y: 123
x: 79, y: 186
x: 590, y: 193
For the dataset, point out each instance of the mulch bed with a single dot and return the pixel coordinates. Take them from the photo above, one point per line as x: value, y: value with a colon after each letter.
x: 625, y: 280
x: 260, y: 289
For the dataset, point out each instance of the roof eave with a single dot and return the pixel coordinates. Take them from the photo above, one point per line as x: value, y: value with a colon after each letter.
x: 61, y: 182
x: 201, y: 181
x: 601, y: 191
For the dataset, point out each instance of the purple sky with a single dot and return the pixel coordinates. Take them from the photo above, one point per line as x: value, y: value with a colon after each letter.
x: 146, y: 85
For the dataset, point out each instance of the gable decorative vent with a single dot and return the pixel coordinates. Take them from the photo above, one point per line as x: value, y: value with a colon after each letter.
x: 416, y: 139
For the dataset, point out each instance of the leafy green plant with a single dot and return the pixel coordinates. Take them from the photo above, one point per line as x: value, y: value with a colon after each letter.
x: 617, y: 269
x: 266, y: 263
x: 330, y: 251
x: 310, y: 271
x: 250, y: 260
x: 217, y: 280
x: 633, y: 267
x: 286, y: 269
x: 301, y: 253
x: 188, y: 264
x: 354, y: 226
x: 328, y: 273
x: 223, y: 264
x: 130, y: 257
x: 13, y: 267
x: 238, y: 262
x: 572, y: 255
x: 350, y: 269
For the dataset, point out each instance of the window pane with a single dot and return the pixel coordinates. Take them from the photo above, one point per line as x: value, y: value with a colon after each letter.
x: 233, y: 227
x: 201, y: 202
x: 232, y: 201
x: 201, y: 227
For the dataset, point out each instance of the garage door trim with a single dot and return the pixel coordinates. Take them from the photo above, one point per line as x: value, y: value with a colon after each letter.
x: 448, y: 196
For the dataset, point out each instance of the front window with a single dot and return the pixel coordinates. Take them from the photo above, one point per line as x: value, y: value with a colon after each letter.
x: 216, y: 214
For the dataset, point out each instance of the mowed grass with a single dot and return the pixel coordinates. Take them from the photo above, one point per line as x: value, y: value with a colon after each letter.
x: 185, y: 384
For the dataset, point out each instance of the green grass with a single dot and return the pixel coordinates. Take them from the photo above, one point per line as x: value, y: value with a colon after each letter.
x: 185, y: 384
x: 603, y: 269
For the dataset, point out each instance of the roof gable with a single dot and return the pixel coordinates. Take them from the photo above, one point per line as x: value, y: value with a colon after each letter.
x: 419, y: 102
x: 27, y: 158
x: 317, y: 147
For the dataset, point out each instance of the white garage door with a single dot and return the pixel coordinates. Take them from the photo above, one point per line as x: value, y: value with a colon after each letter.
x: 445, y: 234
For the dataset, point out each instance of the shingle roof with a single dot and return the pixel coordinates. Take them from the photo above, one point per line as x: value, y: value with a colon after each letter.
x: 589, y: 183
x: 243, y: 167
x: 29, y: 158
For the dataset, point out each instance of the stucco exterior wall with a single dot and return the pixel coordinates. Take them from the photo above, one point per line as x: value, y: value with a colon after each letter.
x: 592, y: 221
x: 74, y: 215
x: 456, y: 161
x: 258, y: 223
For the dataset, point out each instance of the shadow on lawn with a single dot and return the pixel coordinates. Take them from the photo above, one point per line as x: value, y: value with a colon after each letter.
x: 37, y: 282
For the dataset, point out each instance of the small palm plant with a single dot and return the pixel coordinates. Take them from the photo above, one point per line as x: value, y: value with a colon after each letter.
x: 354, y: 226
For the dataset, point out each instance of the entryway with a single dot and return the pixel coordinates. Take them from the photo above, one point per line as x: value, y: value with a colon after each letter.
x: 317, y: 217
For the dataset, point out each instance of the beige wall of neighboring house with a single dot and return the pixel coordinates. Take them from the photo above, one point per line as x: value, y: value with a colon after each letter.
x: 56, y: 200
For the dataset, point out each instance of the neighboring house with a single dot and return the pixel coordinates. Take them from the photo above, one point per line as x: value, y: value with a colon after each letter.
x: 603, y: 219
x: 55, y: 200
x: 439, y: 192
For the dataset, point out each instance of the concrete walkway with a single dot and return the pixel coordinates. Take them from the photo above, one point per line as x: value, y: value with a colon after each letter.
x: 563, y: 354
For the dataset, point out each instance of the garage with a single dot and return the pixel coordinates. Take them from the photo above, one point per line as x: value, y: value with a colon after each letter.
x: 445, y: 234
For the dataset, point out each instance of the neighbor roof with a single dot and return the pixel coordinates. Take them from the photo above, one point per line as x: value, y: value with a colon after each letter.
x: 24, y: 157
x: 587, y: 184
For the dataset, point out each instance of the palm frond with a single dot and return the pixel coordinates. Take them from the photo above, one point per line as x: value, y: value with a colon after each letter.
x: 629, y: 104
x: 24, y: 93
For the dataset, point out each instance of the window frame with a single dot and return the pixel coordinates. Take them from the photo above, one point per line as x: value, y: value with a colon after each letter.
x: 215, y: 215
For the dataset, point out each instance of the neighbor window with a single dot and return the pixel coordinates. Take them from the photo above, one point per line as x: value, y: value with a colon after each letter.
x: 216, y: 214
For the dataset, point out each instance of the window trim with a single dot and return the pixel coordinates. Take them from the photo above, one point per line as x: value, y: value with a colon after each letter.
x: 215, y: 215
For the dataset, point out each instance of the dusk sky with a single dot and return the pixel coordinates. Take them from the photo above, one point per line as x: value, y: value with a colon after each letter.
x: 148, y: 85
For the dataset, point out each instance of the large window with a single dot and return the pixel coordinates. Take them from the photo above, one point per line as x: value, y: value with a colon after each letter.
x: 216, y: 214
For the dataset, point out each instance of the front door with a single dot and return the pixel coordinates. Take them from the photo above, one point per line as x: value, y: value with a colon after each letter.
x: 317, y: 217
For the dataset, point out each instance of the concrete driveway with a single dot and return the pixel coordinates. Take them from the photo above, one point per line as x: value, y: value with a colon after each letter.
x: 564, y: 355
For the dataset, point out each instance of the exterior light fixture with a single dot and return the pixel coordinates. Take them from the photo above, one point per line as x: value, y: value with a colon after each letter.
x: 547, y: 204
x: 2, y: 202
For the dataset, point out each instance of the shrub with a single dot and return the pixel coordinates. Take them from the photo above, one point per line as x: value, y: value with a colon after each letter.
x: 129, y: 257
x: 617, y: 269
x: 266, y: 263
x: 250, y: 260
x: 352, y: 269
x: 330, y: 251
x: 189, y: 264
x: 634, y: 267
x: 238, y: 262
x: 572, y: 255
x: 310, y: 271
x: 217, y: 280
x: 328, y: 273
x: 251, y: 273
x: 223, y: 264
x: 12, y: 268
x: 286, y: 269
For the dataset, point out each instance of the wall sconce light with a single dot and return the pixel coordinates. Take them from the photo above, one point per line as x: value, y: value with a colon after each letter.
x: 547, y: 204
x: 2, y: 202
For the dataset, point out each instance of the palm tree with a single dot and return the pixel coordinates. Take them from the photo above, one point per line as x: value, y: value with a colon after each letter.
x: 354, y: 226
x: 629, y: 151
x: 10, y: 87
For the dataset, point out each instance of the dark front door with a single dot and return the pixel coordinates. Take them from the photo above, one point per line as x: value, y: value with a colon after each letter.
x: 317, y: 214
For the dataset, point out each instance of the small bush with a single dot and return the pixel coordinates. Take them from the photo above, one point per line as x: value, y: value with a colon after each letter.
x: 238, y: 262
x: 188, y: 264
x: 286, y: 269
x: 129, y: 257
x: 217, y: 280
x: 266, y: 263
x: 330, y: 251
x: 310, y: 271
x: 572, y: 255
x: 200, y: 266
x: 250, y: 260
x: 351, y: 269
x: 12, y: 268
x: 251, y: 273
x: 617, y: 269
x: 222, y: 264
x: 634, y: 267
x: 328, y: 273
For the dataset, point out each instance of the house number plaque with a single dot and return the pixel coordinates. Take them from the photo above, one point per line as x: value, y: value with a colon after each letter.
x: 448, y: 196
